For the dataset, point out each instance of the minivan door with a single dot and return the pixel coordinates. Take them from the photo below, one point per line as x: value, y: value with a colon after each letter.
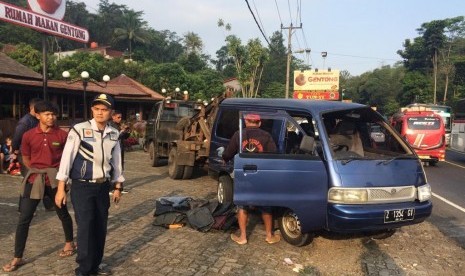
x: 288, y: 177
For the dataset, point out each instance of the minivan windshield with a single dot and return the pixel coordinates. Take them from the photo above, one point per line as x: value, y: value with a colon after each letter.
x: 362, y: 134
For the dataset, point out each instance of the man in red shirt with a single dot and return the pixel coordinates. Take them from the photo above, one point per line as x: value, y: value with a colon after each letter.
x: 41, y: 148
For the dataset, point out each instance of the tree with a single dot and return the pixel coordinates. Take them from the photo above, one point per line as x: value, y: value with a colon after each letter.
x: 193, y: 43
x: 133, y: 29
x: 275, y: 67
x: 192, y: 62
x: 249, y: 61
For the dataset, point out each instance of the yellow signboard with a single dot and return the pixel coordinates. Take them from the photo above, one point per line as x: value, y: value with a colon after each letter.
x: 316, y: 80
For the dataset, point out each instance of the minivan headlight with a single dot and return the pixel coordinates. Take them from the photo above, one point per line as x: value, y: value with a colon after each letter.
x: 424, y: 193
x: 347, y: 195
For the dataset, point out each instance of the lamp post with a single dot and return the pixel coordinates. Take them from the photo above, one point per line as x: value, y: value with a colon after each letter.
x: 85, y: 79
x: 324, y: 55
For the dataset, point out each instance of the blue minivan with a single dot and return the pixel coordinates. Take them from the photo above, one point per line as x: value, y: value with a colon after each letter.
x: 328, y: 173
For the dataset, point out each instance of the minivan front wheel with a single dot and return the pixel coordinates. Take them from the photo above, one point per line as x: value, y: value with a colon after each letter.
x: 289, y: 225
x: 225, y: 189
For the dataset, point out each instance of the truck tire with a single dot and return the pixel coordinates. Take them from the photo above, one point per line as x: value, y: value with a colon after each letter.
x: 225, y: 189
x: 289, y: 225
x: 187, y: 172
x: 153, y: 152
x: 175, y: 171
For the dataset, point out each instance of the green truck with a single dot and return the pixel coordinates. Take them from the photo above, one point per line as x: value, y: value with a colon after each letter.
x: 163, y: 127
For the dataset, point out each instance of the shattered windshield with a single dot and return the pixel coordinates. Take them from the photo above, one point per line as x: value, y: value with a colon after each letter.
x: 362, y: 134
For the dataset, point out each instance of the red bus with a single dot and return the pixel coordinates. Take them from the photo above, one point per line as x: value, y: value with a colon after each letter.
x: 424, y: 131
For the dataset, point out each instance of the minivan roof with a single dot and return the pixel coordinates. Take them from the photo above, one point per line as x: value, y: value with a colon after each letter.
x: 315, y: 106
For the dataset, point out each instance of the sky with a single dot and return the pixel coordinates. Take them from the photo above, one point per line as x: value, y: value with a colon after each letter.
x: 358, y: 35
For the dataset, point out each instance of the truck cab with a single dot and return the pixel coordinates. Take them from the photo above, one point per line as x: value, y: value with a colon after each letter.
x: 162, y: 127
x: 327, y: 172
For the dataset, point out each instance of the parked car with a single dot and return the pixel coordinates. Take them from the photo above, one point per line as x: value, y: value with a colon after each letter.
x: 376, y: 134
x: 327, y: 174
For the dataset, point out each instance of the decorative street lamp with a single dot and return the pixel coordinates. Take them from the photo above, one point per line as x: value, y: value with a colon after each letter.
x: 176, y: 94
x: 85, y: 79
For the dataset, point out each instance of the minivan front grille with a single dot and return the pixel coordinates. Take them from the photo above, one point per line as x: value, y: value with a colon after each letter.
x: 391, y: 194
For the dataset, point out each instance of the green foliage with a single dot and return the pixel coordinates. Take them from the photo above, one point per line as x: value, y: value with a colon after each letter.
x: 274, y: 90
x: 192, y: 62
x: 275, y: 67
x: 13, y: 34
x: 28, y: 56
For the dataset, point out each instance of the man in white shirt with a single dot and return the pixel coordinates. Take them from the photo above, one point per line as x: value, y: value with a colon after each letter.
x: 92, y: 160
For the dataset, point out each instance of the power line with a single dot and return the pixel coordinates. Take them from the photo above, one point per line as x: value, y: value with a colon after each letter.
x: 354, y: 56
x: 258, y: 25
x: 259, y: 19
x: 290, y: 14
x: 279, y: 14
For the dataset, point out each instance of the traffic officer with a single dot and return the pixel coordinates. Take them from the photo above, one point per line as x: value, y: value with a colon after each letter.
x: 92, y: 160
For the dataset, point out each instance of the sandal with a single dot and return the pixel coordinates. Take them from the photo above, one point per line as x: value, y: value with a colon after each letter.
x: 10, y: 267
x: 67, y: 253
x: 273, y: 239
x: 238, y: 240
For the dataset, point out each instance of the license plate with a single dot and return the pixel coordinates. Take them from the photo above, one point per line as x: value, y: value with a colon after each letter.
x: 399, y: 215
x: 423, y: 156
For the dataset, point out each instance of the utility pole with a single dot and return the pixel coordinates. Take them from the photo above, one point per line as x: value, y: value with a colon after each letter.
x: 289, y: 54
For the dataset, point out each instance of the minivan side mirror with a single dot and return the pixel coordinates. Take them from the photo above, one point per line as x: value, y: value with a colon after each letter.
x: 307, y: 144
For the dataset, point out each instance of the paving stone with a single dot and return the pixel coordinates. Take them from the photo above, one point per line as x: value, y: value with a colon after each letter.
x: 135, y: 247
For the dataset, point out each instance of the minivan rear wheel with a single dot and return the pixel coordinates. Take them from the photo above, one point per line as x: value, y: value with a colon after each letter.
x: 225, y: 189
x: 289, y: 225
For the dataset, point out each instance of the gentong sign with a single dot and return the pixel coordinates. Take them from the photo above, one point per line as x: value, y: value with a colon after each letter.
x: 29, y: 19
x: 316, y: 84
x: 318, y: 80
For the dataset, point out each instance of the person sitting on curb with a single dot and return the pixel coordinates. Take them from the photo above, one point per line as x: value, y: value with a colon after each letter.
x: 254, y: 139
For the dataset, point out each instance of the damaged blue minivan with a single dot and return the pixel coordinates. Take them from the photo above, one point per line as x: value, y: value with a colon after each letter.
x: 328, y: 173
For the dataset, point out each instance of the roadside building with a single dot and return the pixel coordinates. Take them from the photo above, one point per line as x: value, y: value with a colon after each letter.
x: 18, y: 84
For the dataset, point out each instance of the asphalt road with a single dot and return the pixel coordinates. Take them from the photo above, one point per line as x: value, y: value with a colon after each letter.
x: 447, y: 180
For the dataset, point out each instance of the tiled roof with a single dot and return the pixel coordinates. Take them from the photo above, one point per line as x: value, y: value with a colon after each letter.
x: 11, y: 68
x: 121, y: 87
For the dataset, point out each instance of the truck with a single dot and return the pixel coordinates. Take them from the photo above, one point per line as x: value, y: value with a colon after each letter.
x: 162, y: 128
x: 327, y: 173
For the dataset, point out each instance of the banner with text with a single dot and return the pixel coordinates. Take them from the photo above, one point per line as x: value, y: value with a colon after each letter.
x: 316, y: 84
x: 29, y: 19
x: 312, y: 80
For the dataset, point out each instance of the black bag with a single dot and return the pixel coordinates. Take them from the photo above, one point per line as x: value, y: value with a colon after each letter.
x: 200, y: 219
x: 169, y: 218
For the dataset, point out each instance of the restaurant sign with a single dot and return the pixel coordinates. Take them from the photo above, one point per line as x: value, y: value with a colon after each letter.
x: 316, y: 95
x: 42, y: 23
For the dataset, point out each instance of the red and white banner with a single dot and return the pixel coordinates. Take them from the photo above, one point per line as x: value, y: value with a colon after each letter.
x: 29, y: 19
x: 316, y: 95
